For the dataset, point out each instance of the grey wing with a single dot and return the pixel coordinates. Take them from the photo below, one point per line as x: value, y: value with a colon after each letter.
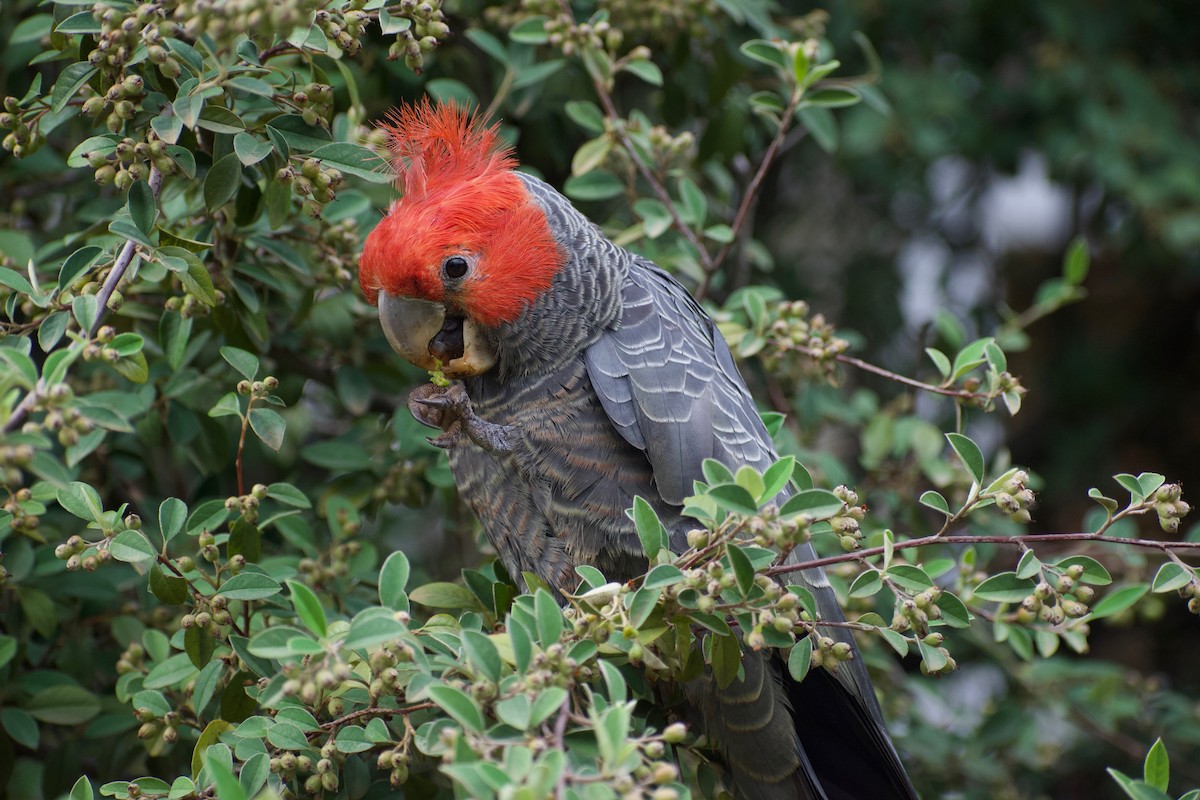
x: 669, y: 385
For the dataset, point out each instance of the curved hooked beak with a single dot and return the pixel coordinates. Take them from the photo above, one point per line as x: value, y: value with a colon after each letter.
x: 423, y: 333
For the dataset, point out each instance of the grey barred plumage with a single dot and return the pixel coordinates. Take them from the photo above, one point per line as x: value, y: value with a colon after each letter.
x: 594, y: 378
x: 617, y: 384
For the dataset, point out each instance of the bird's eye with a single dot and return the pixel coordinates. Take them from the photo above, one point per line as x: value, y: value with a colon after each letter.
x: 454, y: 267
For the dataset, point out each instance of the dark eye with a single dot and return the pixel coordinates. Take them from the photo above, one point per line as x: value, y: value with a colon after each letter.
x: 454, y: 267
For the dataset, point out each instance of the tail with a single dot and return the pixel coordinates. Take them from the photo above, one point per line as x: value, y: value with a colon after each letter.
x: 786, y: 740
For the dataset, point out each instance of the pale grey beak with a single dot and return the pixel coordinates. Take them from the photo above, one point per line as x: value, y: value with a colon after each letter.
x: 421, y: 334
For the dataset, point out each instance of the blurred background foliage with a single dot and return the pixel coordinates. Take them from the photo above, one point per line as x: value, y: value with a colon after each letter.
x: 936, y: 211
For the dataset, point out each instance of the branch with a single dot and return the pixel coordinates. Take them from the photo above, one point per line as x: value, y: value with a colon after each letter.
x: 1017, y: 541
x: 961, y: 394
x: 376, y: 712
x: 751, y: 192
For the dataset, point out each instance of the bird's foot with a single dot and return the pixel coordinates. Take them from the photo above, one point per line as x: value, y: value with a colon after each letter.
x: 449, y: 408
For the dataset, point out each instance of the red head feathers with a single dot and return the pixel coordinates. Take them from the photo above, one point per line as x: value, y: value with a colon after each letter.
x: 461, y: 198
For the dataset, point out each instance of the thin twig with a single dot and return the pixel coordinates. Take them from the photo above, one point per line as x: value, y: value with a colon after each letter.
x: 961, y: 394
x: 1019, y: 541
x: 124, y: 259
x: 751, y: 193
x: 376, y: 712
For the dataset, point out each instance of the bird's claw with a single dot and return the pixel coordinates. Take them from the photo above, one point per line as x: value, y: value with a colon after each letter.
x: 449, y: 408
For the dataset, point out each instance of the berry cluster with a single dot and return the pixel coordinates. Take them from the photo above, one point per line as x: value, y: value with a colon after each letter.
x: 1169, y: 506
x: 314, y: 102
x: 130, y: 161
x: 316, y: 183
x: 344, y: 28
x: 1055, y: 602
x: 1015, y: 498
x: 23, y: 138
x: 426, y: 28
x: 662, y: 21
x: 794, y: 333
x: 61, y: 418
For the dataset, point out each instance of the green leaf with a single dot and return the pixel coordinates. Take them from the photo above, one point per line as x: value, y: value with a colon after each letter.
x: 1029, y: 565
x: 269, y: 426
x: 296, y: 134
x: 1132, y: 485
x: 250, y: 586
x: 351, y: 739
x: 81, y: 500
x: 646, y: 70
x: 776, y: 478
x: 734, y: 499
x: 598, y: 184
x: 832, y: 98
x: 191, y: 272
x: 219, y: 119
x: 368, y: 630
x: 199, y: 645
x: 21, y: 726
x: 546, y: 703
x: 954, y: 611
x: 590, y: 155
x: 799, y: 658
x: 934, y: 500
x: 1075, y: 268
x: 64, y: 704
x: 726, y: 659
x: 1093, y: 571
x: 1157, y: 770
x: 1108, y: 503
x: 8, y: 649
x: 82, y: 790
x: 1004, y: 587
x: 356, y: 160
x: 909, y: 577
x: 650, y: 529
x: 222, y: 182
x: 866, y: 584
x: 250, y: 149
x: 531, y: 30
x: 172, y: 672
x: 1117, y: 601
x: 1170, y: 577
x: 970, y: 454
x: 816, y: 503
x: 172, y: 513
x: 1149, y: 482
x: 548, y: 617
x: 171, y: 589
x: 289, y: 495
x: 662, y: 576
x: 1138, y: 790
x: 940, y: 360
x: 482, y: 654
x: 694, y: 201
x: 586, y: 115
x: 287, y: 736
x: 393, y: 580
x: 444, y: 595
x: 457, y: 704
x: 308, y: 607
x: 244, y: 362
x: 823, y: 126
x: 132, y: 547
x: 743, y: 571
x: 769, y: 53
x: 69, y: 83
x: 142, y: 207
